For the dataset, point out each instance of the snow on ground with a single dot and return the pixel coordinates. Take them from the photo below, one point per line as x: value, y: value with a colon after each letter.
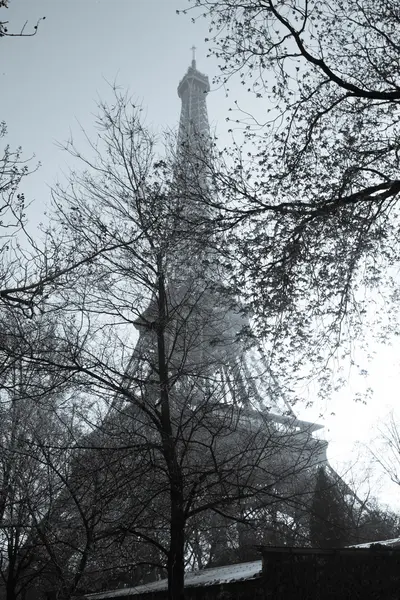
x: 214, y: 576
x: 394, y: 543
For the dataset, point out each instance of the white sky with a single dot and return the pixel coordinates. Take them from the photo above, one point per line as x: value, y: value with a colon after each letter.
x: 51, y: 82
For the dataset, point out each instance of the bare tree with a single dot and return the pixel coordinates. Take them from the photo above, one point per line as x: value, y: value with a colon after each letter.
x: 385, y: 452
x: 175, y: 398
x: 33, y: 266
x: 51, y: 497
x: 28, y: 405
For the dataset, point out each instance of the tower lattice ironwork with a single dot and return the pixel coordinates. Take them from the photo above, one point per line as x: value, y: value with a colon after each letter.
x: 211, y: 345
x: 214, y: 362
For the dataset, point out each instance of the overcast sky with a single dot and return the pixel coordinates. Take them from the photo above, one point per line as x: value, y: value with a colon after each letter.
x: 52, y: 82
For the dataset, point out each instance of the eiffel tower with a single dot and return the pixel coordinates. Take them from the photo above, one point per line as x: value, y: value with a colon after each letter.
x: 242, y: 363
x: 217, y: 371
x: 211, y: 352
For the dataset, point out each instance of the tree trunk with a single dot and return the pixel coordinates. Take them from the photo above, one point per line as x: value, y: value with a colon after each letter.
x: 176, y: 563
x: 11, y: 593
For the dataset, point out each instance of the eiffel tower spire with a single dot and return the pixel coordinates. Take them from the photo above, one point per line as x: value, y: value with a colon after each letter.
x: 193, y: 90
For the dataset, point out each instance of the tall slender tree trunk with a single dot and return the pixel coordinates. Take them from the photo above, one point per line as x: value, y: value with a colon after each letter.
x: 11, y: 584
x: 176, y: 564
x: 176, y: 558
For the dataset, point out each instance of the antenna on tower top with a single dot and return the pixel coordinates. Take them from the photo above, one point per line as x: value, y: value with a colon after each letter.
x: 193, y: 49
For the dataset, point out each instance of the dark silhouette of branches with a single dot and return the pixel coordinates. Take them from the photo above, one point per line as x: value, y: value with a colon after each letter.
x: 4, y: 31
